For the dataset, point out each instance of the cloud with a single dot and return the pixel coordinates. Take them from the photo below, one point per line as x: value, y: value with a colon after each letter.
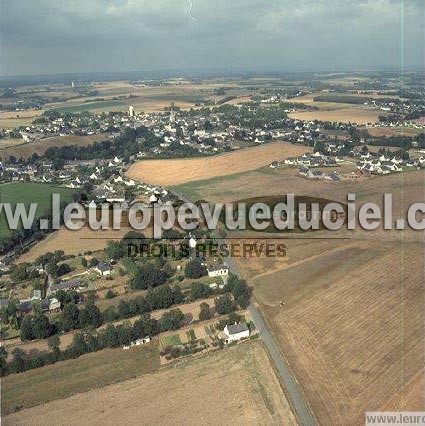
x: 48, y: 36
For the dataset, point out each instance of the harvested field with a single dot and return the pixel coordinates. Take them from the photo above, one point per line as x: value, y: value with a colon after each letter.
x: 89, y: 371
x: 393, y: 131
x: 73, y: 242
x: 247, y: 392
x: 26, y: 149
x: 406, y: 188
x: 351, y: 327
x: 357, y: 115
x: 347, y: 313
x: 178, y: 171
x: 335, y: 111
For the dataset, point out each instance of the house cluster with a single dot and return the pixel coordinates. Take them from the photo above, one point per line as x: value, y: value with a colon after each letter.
x: 26, y: 306
x: 383, y: 164
x: 84, y: 124
x: 311, y: 160
x: 318, y: 175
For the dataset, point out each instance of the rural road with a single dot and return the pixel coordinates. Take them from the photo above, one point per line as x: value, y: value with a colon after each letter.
x: 297, y: 399
x: 293, y: 390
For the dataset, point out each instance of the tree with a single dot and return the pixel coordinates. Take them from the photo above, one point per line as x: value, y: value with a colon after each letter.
x: 69, y: 318
x: 41, y: 327
x: 199, y: 291
x: 63, y: 269
x: 52, y: 268
x: 26, y: 328
x: 111, y: 336
x: 178, y: 296
x: 145, y: 326
x: 109, y: 314
x: 78, y: 346
x: 195, y: 269
x: 164, y: 296
x: 84, y: 262
x: 18, y: 363
x: 115, y: 250
x: 90, y: 316
x: 204, y: 313
x: 110, y: 294
x: 171, y: 320
x: 19, y: 273
x: 3, y: 358
x: 93, y: 262
x: 54, y: 345
x: 224, y: 305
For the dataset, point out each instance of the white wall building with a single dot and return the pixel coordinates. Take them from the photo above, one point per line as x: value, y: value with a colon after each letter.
x: 236, y: 332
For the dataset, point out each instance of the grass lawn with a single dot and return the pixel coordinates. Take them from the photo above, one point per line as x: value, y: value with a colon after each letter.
x: 26, y: 192
x: 171, y: 340
x: 67, y: 378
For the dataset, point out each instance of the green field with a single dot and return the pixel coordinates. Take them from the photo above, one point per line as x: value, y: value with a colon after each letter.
x: 67, y: 378
x: 25, y: 192
x: 172, y: 340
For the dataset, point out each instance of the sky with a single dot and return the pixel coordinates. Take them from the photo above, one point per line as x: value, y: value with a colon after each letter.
x: 69, y: 36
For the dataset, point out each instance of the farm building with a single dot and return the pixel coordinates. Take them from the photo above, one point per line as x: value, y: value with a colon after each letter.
x: 103, y: 269
x: 218, y: 270
x: 236, y: 332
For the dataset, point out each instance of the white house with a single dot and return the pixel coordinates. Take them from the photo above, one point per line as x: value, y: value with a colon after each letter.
x: 218, y: 270
x: 103, y: 269
x: 236, y: 332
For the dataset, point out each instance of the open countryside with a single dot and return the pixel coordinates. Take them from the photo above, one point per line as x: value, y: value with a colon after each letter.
x: 128, y: 107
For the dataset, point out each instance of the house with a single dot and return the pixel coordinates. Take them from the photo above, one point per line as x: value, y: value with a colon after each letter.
x: 303, y: 171
x: 274, y: 165
x: 333, y: 177
x: 36, y: 295
x: 54, y: 305
x: 217, y: 270
x: 103, y: 269
x: 235, y: 332
x: 65, y: 285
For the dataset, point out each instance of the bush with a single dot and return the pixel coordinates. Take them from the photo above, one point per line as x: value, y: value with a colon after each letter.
x: 175, y: 352
x: 110, y: 294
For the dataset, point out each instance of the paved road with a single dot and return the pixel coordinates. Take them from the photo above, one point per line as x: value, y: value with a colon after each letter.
x: 294, y: 392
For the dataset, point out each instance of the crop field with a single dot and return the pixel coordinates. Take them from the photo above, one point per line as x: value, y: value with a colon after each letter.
x: 335, y: 111
x: 246, y: 392
x: 118, y: 96
x: 19, y: 192
x: 406, y: 188
x: 394, y: 131
x: 74, y: 242
x: 353, y: 114
x: 179, y: 171
x: 26, y: 149
x: 351, y: 327
x: 347, y: 307
x: 9, y: 123
x: 67, y: 378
